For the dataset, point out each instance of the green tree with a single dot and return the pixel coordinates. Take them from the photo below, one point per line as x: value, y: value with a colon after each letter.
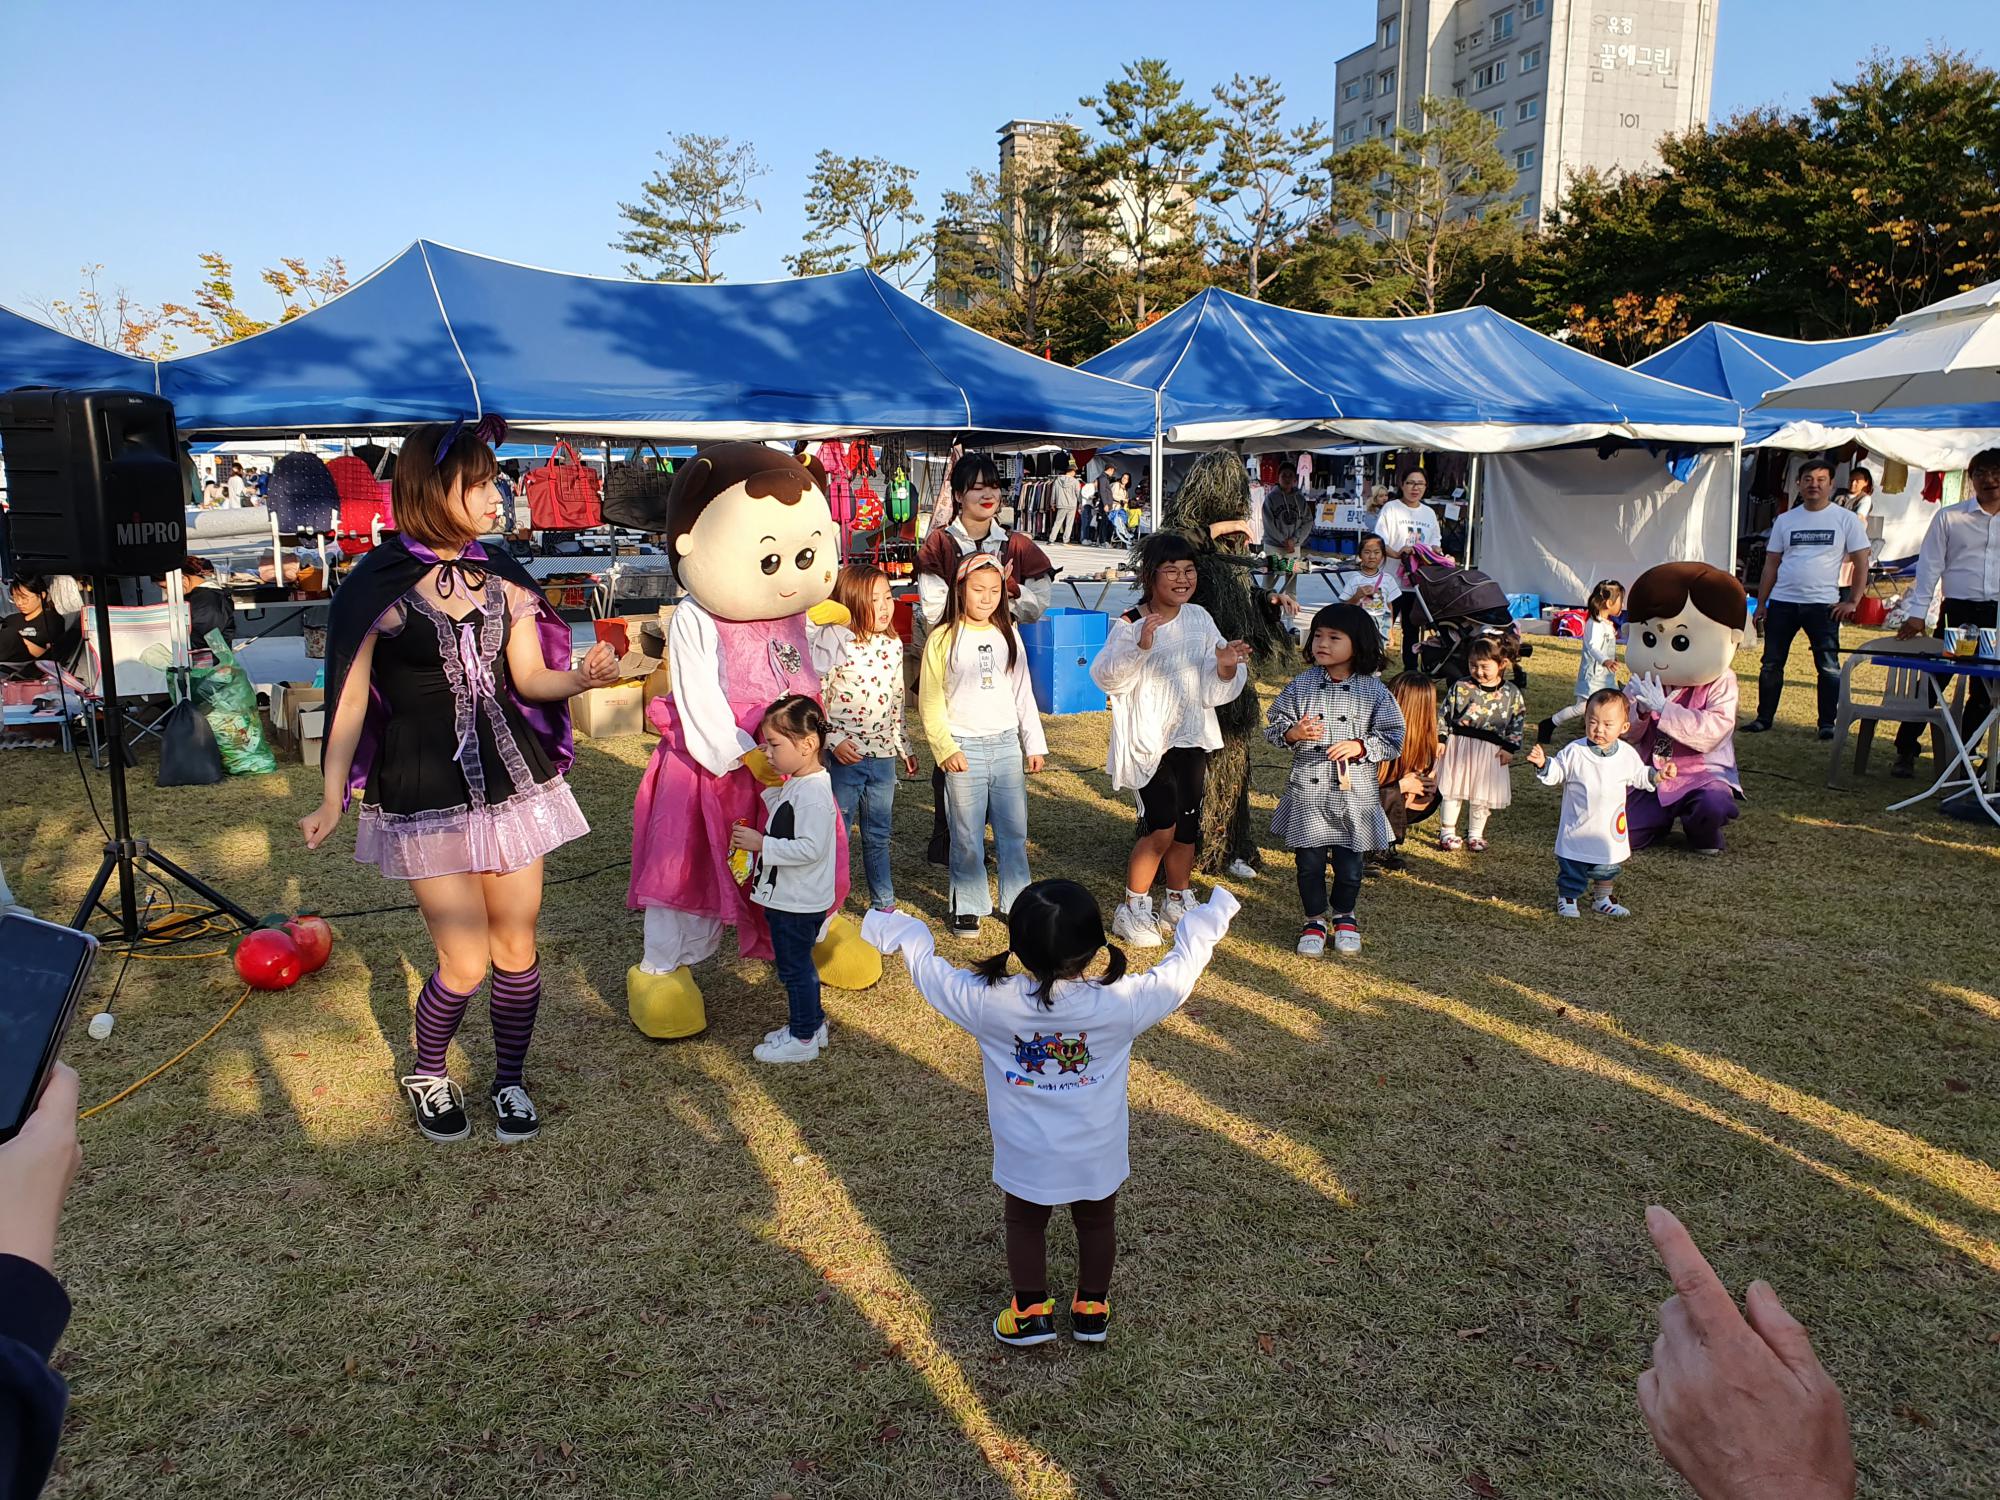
x: 1267, y: 192
x: 866, y: 204
x: 1435, y: 201
x: 1148, y: 179
x: 689, y: 209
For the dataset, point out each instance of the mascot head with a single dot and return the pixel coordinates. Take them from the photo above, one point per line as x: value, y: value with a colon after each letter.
x: 749, y: 532
x: 1212, y: 506
x: 1684, y: 621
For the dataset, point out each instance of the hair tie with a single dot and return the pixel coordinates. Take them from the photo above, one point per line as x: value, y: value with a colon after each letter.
x: 968, y: 564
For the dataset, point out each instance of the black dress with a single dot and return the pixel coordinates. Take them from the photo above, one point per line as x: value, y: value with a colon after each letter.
x: 460, y: 783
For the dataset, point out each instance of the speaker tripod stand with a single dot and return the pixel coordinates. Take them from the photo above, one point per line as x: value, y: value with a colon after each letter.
x: 124, y: 854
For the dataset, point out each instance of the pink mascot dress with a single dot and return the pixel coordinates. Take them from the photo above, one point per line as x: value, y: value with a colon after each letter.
x: 754, y: 546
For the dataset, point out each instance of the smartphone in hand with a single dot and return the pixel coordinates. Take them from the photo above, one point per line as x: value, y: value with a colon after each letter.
x: 46, y: 968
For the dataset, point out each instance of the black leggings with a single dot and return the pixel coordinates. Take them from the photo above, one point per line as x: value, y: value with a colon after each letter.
x: 1312, y: 879
x: 1028, y: 1250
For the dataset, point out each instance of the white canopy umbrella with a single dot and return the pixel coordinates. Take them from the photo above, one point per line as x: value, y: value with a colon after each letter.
x: 1947, y: 354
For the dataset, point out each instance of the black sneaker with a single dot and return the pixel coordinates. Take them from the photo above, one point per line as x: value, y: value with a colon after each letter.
x: 964, y: 923
x: 440, y: 1107
x: 1391, y: 860
x: 1826, y: 731
x: 1757, y: 726
x: 1089, y: 1322
x: 1904, y: 768
x: 1024, y: 1327
x: 514, y: 1117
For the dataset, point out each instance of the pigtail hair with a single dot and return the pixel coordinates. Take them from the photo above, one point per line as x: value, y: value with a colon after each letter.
x: 993, y: 968
x: 1114, y: 966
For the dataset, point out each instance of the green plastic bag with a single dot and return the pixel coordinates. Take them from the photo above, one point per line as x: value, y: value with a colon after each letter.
x: 228, y: 699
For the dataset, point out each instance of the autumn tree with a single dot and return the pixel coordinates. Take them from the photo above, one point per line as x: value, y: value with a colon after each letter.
x: 301, y: 288
x: 109, y: 319
x: 688, y: 209
x: 1434, y: 200
x: 865, y: 206
x: 1148, y: 179
x: 1267, y: 190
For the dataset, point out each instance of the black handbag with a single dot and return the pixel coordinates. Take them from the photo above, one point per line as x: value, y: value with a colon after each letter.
x: 189, y: 755
x: 635, y: 492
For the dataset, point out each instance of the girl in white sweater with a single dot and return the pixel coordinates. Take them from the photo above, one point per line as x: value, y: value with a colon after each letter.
x: 1598, y: 669
x: 1166, y: 669
x: 1057, y: 1048
x: 979, y: 714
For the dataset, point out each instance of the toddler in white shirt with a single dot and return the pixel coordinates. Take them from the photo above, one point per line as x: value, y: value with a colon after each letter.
x: 1595, y: 772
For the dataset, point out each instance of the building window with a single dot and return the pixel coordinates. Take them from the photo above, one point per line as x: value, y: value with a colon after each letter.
x: 1391, y: 29
x: 1347, y: 134
x: 1381, y: 218
x: 1494, y: 72
x: 1498, y: 115
x: 1368, y: 86
x: 1503, y: 25
x: 1527, y: 110
x: 1531, y: 9
x: 1531, y: 59
x: 1350, y: 90
x: 1524, y: 159
x: 1458, y: 88
x: 1386, y: 84
x: 1385, y: 125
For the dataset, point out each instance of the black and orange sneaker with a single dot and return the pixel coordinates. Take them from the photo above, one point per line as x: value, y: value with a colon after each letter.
x: 1023, y: 1326
x: 1089, y: 1322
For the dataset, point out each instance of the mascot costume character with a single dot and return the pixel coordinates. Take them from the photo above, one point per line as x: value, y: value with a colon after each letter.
x: 1684, y: 621
x: 753, y: 545
x: 1211, y: 511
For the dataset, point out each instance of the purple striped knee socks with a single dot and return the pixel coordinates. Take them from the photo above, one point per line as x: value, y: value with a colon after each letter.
x: 515, y: 999
x: 439, y: 1010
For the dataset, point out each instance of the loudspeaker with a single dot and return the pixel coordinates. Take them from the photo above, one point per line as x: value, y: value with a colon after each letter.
x: 93, y: 482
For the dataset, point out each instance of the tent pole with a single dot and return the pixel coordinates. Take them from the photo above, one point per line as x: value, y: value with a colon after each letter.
x: 1735, y: 499
x: 1471, y: 510
x: 1159, y: 464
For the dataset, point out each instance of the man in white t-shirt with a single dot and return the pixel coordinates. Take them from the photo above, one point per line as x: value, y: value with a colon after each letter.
x: 1402, y: 524
x: 1800, y: 590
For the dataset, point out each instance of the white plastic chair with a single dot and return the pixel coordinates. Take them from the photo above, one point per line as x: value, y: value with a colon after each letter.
x: 1909, y: 696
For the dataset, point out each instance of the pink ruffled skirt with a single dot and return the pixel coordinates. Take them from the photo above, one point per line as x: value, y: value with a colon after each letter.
x: 496, y: 840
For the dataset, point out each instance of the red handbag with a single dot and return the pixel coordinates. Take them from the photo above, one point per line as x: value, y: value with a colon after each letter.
x: 564, y: 496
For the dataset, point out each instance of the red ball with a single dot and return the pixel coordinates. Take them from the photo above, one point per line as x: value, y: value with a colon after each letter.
x: 268, y: 959
x: 314, y: 938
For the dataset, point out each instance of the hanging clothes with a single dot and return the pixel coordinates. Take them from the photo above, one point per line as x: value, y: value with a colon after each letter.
x: 1305, y: 470
x: 1934, y: 486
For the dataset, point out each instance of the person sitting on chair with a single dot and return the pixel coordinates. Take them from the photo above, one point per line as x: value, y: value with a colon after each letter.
x: 39, y: 629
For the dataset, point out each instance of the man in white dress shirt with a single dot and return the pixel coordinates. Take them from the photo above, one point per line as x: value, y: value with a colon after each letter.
x: 1961, y: 555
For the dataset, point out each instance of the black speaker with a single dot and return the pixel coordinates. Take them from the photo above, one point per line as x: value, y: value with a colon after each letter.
x: 93, y: 482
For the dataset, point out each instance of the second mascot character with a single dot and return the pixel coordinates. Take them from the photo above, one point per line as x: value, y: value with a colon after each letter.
x: 754, y: 547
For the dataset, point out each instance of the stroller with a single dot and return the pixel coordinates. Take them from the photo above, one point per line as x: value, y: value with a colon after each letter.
x: 1452, y: 607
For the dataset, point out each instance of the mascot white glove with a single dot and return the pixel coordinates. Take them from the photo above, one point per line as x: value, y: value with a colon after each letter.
x: 1648, y: 693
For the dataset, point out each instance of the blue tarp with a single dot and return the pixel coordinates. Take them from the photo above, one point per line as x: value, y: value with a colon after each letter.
x: 1742, y: 366
x: 440, y: 333
x: 1229, y: 369
x: 32, y: 353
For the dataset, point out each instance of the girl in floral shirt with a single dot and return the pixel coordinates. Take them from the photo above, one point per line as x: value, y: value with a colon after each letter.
x: 861, y: 667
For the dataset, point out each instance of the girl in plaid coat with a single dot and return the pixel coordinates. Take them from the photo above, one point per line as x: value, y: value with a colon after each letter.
x: 1341, y: 724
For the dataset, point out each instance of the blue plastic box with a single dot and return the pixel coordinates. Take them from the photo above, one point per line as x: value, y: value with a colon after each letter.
x: 1525, y: 606
x: 1061, y: 646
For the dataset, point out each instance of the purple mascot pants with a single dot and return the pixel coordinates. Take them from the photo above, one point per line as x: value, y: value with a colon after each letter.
x: 1702, y: 813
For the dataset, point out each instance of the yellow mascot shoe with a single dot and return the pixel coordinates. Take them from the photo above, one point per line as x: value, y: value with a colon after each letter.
x: 843, y: 960
x: 666, y: 1006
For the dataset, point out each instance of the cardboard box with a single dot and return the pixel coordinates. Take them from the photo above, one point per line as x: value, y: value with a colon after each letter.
x: 288, y: 701
x: 607, y: 711
x: 311, y: 726
x: 657, y: 685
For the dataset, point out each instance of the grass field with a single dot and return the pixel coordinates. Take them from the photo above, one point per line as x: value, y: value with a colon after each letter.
x: 1383, y: 1236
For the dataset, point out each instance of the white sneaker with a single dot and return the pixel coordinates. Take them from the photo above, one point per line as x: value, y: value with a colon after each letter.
x: 1312, y: 939
x: 820, y: 1037
x: 1604, y: 906
x: 1175, y: 905
x: 1346, y: 936
x: 1242, y: 870
x: 1133, y: 921
x: 1566, y: 907
x: 787, y: 1049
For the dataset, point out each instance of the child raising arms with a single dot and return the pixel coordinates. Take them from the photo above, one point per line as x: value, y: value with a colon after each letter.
x: 1057, y: 1049
x: 1340, y: 722
x: 792, y: 877
x: 1595, y: 772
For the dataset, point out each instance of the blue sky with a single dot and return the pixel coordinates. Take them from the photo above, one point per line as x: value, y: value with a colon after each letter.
x: 263, y: 130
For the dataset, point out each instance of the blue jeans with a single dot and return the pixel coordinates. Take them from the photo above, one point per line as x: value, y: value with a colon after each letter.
x: 1573, y: 876
x: 1781, y: 621
x: 1312, y: 862
x: 793, y: 934
x: 993, y: 786
x: 868, y: 787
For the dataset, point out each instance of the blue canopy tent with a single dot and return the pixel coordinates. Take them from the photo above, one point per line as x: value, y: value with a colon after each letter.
x: 1740, y: 366
x: 32, y: 353
x: 1563, y: 497
x: 440, y: 333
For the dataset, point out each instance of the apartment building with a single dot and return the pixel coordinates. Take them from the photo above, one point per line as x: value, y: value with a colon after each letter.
x: 1571, y: 84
